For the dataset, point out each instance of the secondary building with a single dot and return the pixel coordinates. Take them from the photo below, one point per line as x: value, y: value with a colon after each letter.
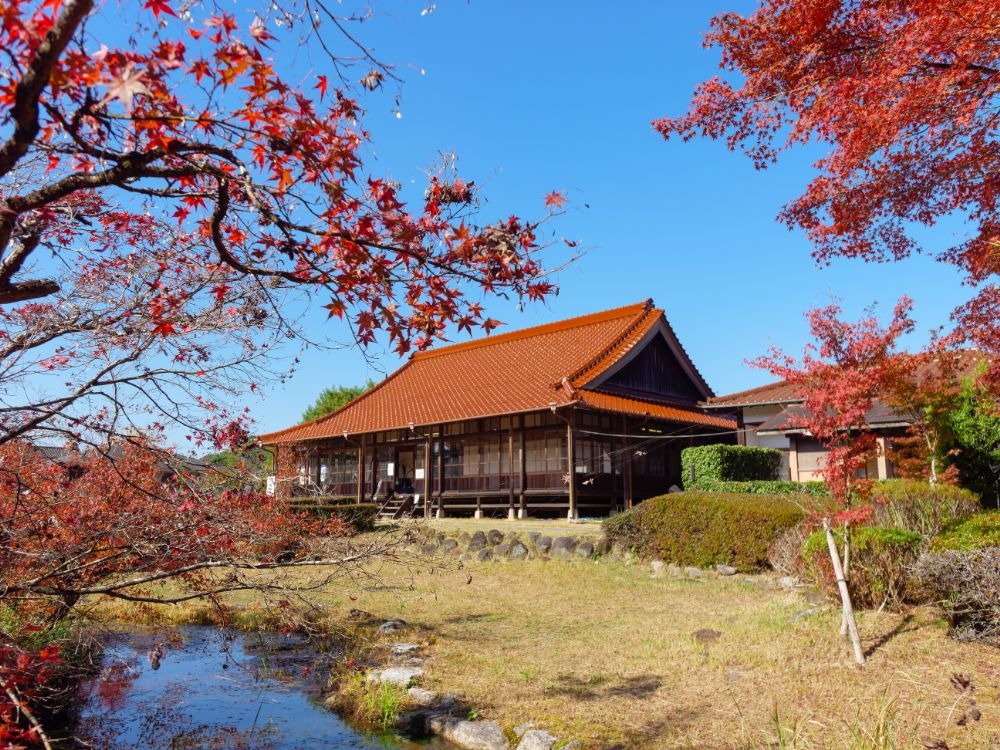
x: 578, y: 417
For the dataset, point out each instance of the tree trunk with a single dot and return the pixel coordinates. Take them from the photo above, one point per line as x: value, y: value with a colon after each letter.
x: 845, y: 596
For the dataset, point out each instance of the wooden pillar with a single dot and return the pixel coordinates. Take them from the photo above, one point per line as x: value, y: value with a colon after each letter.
x: 793, y: 459
x: 360, y: 479
x: 628, y: 467
x: 571, y: 460
x: 440, y: 469
x: 374, y: 483
x: 882, y: 456
x: 428, y: 477
x: 524, y: 474
x: 511, y: 513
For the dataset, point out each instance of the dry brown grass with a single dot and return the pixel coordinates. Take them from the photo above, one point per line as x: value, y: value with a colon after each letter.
x: 603, y: 653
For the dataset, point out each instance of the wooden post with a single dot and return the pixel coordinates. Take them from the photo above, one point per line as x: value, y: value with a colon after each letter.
x: 371, y: 488
x: 440, y: 468
x: 571, y: 460
x: 511, y: 514
x: 845, y: 595
x: 428, y: 477
x: 524, y: 474
x: 360, y: 479
x: 628, y: 467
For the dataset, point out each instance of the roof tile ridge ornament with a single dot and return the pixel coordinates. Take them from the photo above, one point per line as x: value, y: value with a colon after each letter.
x: 643, y: 316
x: 271, y: 436
x: 532, y: 331
x: 569, y: 389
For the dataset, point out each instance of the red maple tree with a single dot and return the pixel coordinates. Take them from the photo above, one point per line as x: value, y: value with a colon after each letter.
x: 904, y: 94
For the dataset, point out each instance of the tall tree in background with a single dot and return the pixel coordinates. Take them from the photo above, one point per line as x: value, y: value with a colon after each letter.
x: 331, y: 399
x: 906, y: 96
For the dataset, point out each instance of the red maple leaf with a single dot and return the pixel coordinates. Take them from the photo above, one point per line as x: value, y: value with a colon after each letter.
x: 555, y: 199
x: 158, y: 7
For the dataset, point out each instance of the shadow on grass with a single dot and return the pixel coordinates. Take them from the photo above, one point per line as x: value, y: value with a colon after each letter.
x: 903, y: 626
x: 597, y: 688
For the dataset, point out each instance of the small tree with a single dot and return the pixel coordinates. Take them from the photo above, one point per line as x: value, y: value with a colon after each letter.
x: 839, y: 378
x: 331, y: 399
x: 974, y: 426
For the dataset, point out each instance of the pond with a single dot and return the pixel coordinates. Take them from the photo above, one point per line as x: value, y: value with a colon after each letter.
x: 201, y: 688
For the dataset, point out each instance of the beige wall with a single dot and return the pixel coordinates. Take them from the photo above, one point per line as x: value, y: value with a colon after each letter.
x: 755, y: 415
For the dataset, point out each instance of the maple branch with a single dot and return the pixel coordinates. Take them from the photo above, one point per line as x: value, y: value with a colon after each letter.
x: 29, y: 89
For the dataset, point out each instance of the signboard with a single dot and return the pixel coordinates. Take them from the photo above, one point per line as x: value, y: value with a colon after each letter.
x: 271, y: 486
x: 390, y: 469
x: 418, y: 473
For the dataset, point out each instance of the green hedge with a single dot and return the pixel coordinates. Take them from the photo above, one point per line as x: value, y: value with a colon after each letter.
x: 770, y: 487
x: 704, y: 528
x: 977, y: 532
x: 919, y: 506
x: 879, y: 560
x: 361, y: 516
x: 704, y: 465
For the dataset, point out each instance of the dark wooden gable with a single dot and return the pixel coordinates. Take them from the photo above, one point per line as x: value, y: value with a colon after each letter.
x: 654, y: 372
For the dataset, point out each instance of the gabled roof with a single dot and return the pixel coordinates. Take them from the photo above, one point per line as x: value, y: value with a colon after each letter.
x: 508, y: 373
x: 789, y: 419
x: 783, y: 392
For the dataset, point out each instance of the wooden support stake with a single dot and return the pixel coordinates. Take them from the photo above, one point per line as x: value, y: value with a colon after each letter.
x: 845, y: 595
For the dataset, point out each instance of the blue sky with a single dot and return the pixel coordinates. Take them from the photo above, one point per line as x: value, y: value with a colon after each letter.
x: 559, y: 95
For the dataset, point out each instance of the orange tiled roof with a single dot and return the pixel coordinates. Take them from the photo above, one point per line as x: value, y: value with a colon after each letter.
x: 506, y: 373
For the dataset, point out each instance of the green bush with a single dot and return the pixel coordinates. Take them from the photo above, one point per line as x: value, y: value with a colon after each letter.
x: 704, y: 464
x: 880, y: 558
x: 976, y: 532
x: 921, y: 507
x: 704, y: 528
x: 769, y: 487
x: 361, y: 516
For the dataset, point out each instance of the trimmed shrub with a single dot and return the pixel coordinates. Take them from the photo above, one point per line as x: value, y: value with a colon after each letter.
x: 967, y: 586
x: 705, y: 528
x: 976, y: 532
x: 361, y: 516
x: 879, y: 560
x: 921, y: 507
x: 704, y: 464
x: 770, y: 487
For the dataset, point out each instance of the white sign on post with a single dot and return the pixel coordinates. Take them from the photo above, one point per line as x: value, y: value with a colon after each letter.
x: 390, y: 469
x: 271, y: 486
x: 418, y: 473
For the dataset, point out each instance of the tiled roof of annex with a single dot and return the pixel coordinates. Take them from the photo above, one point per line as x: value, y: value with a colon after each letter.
x: 508, y: 373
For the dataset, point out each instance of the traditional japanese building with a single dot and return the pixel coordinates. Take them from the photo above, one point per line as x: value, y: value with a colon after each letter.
x: 578, y: 417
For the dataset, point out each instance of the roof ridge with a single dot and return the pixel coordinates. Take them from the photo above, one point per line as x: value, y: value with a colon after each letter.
x: 539, y: 330
x: 747, y: 391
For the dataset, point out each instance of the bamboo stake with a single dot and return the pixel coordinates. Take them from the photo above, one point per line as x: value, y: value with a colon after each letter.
x: 845, y: 596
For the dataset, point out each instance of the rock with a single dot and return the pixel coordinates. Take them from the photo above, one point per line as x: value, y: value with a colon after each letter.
x: 674, y: 571
x: 401, y: 676
x: 449, y: 544
x: 422, y: 697
x: 359, y: 614
x: 788, y: 582
x: 585, y: 550
x: 501, y: 551
x: 534, y: 536
x: 477, y: 542
x: 448, y: 701
x: 466, y: 556
x: 464, y: 537
x: 392, y: 626
x: 429, y: 549
x: 404, y: 649
x: 471, y: 735
x: 817, y: 598
x: 536, y: 739
x: 693, y: 572
x: 484, y: 554
x: 517, y: 551
x: 603, y: 546
x: 520, y: 729
x: 494, y: 537
x: 656, y: 568
x: 726, y: 570
x: 544, y: 543
x: 562, y: 547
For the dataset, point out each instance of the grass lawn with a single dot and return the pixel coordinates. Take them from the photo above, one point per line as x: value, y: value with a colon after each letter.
x: 603, y: 653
